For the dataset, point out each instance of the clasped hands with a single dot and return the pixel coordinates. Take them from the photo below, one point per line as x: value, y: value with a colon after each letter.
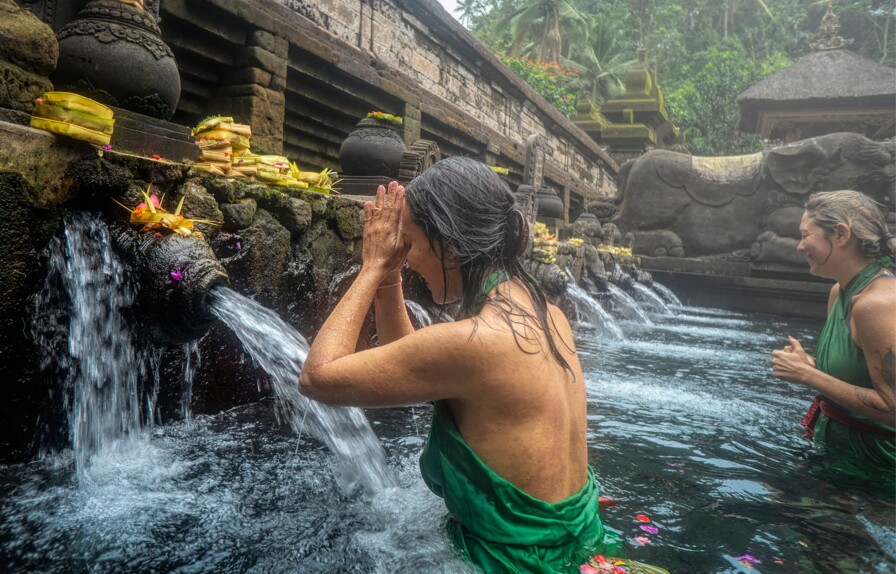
x: 791, y: 362
x: 384, y: 248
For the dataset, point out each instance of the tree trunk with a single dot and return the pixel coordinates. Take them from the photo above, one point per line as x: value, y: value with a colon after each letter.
x: 550, y: 43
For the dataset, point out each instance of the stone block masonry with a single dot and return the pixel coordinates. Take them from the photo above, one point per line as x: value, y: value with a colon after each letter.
x: 303, y: 72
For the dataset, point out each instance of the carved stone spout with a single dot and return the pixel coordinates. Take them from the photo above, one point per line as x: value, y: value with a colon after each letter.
x: 175, y: 276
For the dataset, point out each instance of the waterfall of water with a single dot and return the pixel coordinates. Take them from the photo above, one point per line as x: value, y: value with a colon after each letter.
x: 192, y: 361
x: 627, y: 305
x: 420, y: 314
x: 667, y: 294
x: 589, y: 311
x: 648, y: 296
x: 280, y: 350
x: 86, y: 287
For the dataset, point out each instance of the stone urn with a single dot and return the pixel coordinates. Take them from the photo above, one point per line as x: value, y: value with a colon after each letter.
x: 588, y: 218
x: 113, y: 52
x: 549, y: 204
x: 373, y: 148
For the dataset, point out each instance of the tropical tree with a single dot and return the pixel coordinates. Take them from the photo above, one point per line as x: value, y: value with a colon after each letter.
x: 602, y: 57
x: 702, y: 105
x: 466, y: 10
x: 535, y: 28
x: 730, y: 10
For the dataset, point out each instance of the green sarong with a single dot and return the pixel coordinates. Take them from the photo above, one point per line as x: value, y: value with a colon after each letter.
x: 499, y: 527
x: 838, y: 356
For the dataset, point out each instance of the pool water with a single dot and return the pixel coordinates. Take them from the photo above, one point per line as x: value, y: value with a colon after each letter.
x: 687, y: 427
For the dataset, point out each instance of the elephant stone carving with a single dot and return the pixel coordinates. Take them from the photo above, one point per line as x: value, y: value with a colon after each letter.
x: 717, y: 206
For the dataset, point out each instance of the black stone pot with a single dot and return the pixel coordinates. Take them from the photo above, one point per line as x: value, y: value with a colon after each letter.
x: 549, y: 204
x: 588, y: 218
x: 374, y: 148
x: 114, y: 53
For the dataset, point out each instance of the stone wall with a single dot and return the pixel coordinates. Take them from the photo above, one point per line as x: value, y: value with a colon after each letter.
x: 304, y: 72
x: 293, y: 251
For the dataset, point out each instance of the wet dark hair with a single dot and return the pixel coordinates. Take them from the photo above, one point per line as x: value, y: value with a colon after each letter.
x: 461, y: 204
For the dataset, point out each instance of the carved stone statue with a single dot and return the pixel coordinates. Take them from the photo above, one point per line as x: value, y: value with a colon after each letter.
x: 678, y: 205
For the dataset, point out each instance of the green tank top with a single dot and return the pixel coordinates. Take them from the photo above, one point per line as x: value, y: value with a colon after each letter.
x: 839, y: 356
x: 499, y: 527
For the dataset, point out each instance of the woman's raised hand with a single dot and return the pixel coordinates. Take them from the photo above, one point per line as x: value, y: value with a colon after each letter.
x: 384, y: 248
x: 790, y: 362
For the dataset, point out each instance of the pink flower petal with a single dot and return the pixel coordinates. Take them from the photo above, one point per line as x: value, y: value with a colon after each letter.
x: 587, y: 569
x: 642, y: 540
x: 649, y: 528
x: 749, y: 559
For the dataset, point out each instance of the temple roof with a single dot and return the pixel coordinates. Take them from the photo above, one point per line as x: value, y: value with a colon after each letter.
x: 827, y: 78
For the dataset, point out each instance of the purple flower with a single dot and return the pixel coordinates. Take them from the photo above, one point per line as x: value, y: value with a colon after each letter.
x: 649, y: 528
x: 107, y: 147
x: 239, y: 246
x: 749, y: 559
x: 177, y: 275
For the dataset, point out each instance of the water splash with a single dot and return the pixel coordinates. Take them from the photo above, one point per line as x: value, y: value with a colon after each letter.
x: 424, y: 319
x: 628, y: 306
x: 648, y: 296
x: 667, y: 294
x: 589, y: 311
x: 192, y: 361
x: 281, y: 351
x: 86, y: 288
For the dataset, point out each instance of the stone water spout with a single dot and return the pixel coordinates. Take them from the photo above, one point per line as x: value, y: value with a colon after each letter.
x: 175, y: 276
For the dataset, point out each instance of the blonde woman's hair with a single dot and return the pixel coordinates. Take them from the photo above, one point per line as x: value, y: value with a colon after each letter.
x: 862, y: 214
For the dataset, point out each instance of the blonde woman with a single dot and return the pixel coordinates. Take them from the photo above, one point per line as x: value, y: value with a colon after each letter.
x: 844, y: 237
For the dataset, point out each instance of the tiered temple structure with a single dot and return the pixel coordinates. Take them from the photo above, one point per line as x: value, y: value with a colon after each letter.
x: 636, y: 121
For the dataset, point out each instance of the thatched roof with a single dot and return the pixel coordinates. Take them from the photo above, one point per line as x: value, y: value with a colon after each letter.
x: 829, y: 78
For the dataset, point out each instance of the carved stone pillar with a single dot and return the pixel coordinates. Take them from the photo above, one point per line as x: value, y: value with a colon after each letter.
x: 253, y: 92
x: 55, y: 13
x: 533, y: 173
x: 411, y: 124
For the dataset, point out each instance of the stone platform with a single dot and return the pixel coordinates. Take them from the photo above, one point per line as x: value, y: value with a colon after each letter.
x: 742, y: 286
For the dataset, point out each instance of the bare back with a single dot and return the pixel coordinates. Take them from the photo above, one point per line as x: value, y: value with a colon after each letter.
x: 528, y: 423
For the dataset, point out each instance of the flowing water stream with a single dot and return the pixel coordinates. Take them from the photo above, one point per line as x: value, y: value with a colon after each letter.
x: 685, y: 425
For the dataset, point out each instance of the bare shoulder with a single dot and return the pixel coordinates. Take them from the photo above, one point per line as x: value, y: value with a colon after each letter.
x: 874, y: 311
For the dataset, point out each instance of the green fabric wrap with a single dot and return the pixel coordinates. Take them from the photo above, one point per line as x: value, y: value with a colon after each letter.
x: 838, y: 356
x: 499, y: 527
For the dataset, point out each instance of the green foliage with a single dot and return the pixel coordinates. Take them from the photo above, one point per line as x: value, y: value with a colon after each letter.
x: 549, y: 79
x: 703, y: 107
x: 705, y: 52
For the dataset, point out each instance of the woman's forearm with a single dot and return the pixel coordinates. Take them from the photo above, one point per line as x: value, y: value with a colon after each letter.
x: 392, y: 321
x: 339, y: 334
x: 862, y: 400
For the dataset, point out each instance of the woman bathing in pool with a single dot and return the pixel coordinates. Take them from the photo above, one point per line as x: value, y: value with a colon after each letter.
x: 507, y: 447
